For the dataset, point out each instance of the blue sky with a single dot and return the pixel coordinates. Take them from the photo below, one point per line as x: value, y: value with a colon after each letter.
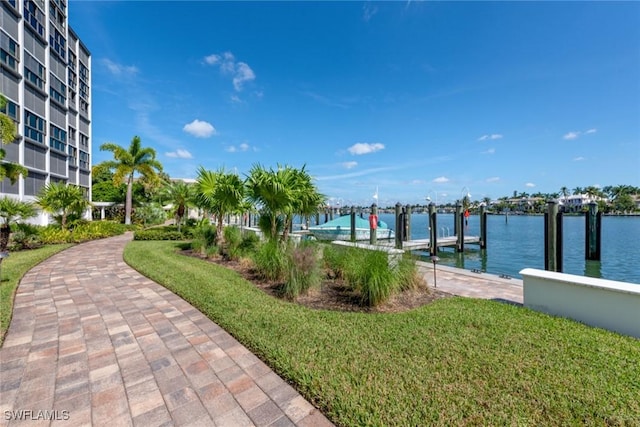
x: 412, y: 98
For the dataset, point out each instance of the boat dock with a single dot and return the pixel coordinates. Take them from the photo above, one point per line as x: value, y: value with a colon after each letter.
x: 425, y: 244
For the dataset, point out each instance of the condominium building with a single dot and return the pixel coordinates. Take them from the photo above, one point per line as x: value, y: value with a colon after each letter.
x: 46, y: 77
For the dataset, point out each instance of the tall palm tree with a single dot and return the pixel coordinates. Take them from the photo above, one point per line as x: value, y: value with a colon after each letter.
x: 66, y: 200
x: 7, y: 136
x: 12, y: 210
x: 305, y: 198
x: 180, y: 195
x: 222, y: 193
x: 128, y: 162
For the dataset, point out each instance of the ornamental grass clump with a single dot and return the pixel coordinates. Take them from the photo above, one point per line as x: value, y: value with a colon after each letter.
x: 232, y: 240
x: 407, y: 275
x: 374, y: 279
x: 271, y: 261
x: 304, y: 270
x: 204, y: 238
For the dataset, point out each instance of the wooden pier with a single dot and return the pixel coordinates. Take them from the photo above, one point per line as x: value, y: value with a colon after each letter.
x: 425, y: 244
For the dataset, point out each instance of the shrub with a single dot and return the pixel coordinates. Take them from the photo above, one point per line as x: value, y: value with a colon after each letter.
x: 53, y: 234
x: 407, y: 275
x: 304, y: 270
x: 204, y: 238
x: 158, y: 234
x: 270, y: 260
x: 232, y: 241
x: 20, y: 240
x: 374, y: 279
x: 249, y: 243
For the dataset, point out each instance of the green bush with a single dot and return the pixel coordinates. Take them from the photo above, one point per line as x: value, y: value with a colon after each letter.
x: 158, y: 234
x: 270, y: 260
x: 249, y: 243
x: 232, y: 241
x: 204, y: 238
x: 407, y: 275
x: 53, y: 234
x: 20, y: 240
x: 304, y: 270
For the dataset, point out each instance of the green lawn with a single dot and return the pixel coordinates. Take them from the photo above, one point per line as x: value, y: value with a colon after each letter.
x: 457, y: 361
x: 12, y: 270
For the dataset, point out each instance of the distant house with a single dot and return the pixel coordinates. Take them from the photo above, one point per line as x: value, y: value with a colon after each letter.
x: 576, y: 202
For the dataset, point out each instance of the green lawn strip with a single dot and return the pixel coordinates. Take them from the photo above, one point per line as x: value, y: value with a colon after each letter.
x: 12, y: 270
x: 456, y: 361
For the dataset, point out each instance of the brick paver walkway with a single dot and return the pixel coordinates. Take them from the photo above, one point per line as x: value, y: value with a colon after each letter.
x: 99, y: 344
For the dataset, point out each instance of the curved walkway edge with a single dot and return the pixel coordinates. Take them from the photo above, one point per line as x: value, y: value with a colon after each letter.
x: 93, y: 342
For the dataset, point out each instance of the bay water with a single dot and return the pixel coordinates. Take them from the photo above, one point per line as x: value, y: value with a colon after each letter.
x: 517, y: 242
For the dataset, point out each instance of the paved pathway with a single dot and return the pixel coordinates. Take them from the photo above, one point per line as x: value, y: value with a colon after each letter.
x: 469, y: 284
x: 99, y: 344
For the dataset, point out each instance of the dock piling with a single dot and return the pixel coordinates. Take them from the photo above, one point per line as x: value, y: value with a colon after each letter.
x: 593, y: 232
x: 553, y: 238
x: 353, y: 224
x: 433, y: 229
x: 483, y: 228
x: 399, y: 226
x: 459, y: 223
x: 373, y: 237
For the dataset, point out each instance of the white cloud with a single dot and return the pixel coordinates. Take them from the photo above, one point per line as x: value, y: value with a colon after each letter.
x: 244, y: 73
x: 212, y: 59
x: 571, y: 135
x: 418, y: 182
x: 578, y: 159
x: 349, y: 165
x: 368, y: 11
x: 180, y: 154
x: 441, y: 180
x: 493, y: 136
x: 591, y: 131
x: 236, y: 99
x: 365, y: 148
x: 489, y: 151
x: 119, y: 69
x: 493, y: 179
x: 530, y: 184
x: 241, y: 72
x: 242, y: 147
x: 199, y: 129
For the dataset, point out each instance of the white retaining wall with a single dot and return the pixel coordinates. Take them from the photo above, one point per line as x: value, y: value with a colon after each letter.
x: 597, y: 302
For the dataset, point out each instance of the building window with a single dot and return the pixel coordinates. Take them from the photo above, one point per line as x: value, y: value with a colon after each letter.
x: 34, y: 127
x: 58, y: 138
x: 34, y: 71
x: 84, y: 160
x: 84, y: 141
x: 73, y: 156
x: 34, y: 16
x: 58, y: 43
x: 57, y: 89
x: 9, y: 53
x: 12, y: 110
x: 72, y: 135
x: 56, y: 11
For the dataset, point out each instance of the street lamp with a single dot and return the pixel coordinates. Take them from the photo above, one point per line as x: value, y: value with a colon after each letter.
x: 434, y: 260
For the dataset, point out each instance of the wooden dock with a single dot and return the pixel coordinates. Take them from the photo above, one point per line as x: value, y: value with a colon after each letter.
x: 425, y: 244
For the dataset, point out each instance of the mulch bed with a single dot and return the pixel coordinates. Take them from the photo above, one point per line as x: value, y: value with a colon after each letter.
x: 332, y: 294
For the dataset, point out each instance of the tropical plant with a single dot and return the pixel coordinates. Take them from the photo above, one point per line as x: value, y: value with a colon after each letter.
x: 128, y: 162
x: 7, y: 136
x: 150, y: 214
x: 12, y: 210
x: 284, y: 193
x: 270, y: 260
x: 65, y: 200
x: 181, y: 196
x: 304, y: 270
x: 221, y: 192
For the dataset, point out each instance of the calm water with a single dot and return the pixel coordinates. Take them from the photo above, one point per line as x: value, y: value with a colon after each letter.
x: 519, y: 243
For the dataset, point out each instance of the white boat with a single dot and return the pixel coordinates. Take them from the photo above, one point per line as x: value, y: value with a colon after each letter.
x: 340, y: 229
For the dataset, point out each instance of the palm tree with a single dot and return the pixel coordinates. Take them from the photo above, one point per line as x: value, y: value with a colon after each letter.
x: 128, y: 162
x: 180, y: 195
x: 12, y: 210
x: 7, y: 136
x: 283, y: 193
x: 67, y: 200
x: 222, y: 193
x: 578, y: 190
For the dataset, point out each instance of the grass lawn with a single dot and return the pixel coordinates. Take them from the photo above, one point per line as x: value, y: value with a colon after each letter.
x: 12, y: 270
x: 457, y: 361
